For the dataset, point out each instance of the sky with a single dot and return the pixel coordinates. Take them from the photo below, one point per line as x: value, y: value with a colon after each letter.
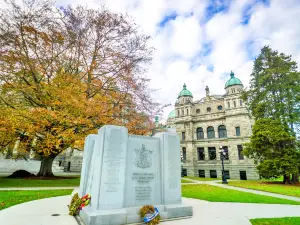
x: 198, y: 42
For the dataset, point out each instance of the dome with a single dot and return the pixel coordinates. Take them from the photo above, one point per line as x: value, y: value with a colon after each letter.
x: 185, y: 92
x: 233, y: 81
x: 171, y: 114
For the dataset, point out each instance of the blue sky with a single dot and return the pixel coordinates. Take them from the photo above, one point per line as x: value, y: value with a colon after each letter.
x: 198, y: 42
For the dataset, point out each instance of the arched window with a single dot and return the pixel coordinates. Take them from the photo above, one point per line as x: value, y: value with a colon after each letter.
x: 208, y: 109
x: 210, y: 132
x: 187, y: 112
x: 222, y: 131
x: 184, y: 153
x: 234, y: 103
x: 198, y: 111
x: 178, y: 113
x: 200, y: 133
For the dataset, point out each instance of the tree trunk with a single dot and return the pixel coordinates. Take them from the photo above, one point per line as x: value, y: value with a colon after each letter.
x: 295, y: 178
x: 287, y: 179
x: 46, y: 167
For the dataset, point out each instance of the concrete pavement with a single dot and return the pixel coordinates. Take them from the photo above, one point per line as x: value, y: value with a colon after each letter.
x: 43, y: 212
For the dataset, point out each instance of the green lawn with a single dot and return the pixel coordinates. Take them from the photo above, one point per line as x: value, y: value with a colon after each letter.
x: 203, y: 179
x: 10, y: 182
x: 186, y: 181
x: 218, y: 194
x: 269, y: 186
x: 10, y: 198
x: 277, y: 221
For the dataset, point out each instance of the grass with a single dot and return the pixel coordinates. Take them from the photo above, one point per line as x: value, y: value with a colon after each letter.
x: 203, y: 179
x: 218, y: 194
x: 277, y: 221
x: 269, y: 186
x: 185, y: 181
x: 12, y: 182
x: 10, y: 198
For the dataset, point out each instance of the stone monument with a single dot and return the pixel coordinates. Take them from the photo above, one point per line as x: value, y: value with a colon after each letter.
x: 124, y: 172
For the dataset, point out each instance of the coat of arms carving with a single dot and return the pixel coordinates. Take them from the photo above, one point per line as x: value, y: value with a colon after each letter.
x: 143, y: 157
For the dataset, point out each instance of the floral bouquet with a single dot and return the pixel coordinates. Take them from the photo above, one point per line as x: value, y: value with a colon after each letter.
x: 78, y: 203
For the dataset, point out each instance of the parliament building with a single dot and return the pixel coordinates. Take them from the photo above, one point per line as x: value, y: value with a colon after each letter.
x: 213, y: 121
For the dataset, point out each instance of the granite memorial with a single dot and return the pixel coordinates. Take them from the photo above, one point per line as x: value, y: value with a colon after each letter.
x: 124, y: 172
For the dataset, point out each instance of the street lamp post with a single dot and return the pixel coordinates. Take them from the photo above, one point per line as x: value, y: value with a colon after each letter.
x: 222, y: 155
x: 181, y: 158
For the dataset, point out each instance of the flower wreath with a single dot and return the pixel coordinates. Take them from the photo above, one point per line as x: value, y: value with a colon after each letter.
x: 150, y: 214
x: 78, y: 203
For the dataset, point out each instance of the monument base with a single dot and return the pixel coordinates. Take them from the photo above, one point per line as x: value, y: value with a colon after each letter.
x: 131, y: 215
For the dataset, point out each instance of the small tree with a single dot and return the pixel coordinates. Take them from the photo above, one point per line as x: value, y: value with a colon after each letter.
x: 274, y: 149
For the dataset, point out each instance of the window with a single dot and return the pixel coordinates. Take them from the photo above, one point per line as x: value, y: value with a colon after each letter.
x: 234, y: 103
x: 227, y: 174
x: 243, y: 175
x: 59, y: 163
x: 228, y: 104
x: 198, y: 111
x: 240, y: 152
x: 183, y: 136
x: 200, y: 133
x: 201, y: 155
x: 226, y: 156
x: 69, y: 167
x: 208, y: 109
x: 184, y: 153
x: 212, y: 153
x: 237, y: 131
x: 178, y: 113
x: 241, y: 103
x: 184, y: 172
x: 201, y: 173
x: 232, y: 90
x: 182, y: 112
x: 210, y: 132
x: 222, y: 131
x: 220, y: 107
x: 187, y: 112
x: 213, y: 173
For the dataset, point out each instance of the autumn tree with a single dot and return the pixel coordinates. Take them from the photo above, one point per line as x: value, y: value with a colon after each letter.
x: 65, y: 72
x: 274, y: 94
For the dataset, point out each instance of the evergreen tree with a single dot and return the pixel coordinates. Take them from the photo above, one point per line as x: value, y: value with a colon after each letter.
x: 275, y: 94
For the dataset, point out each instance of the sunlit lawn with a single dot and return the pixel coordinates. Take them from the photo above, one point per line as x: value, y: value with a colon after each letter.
x: 277, y: 221
x: 218, y: 194
x: 269, y: 186
x: 13, y: 182
x: 186, y: 181
x: 10, y: 198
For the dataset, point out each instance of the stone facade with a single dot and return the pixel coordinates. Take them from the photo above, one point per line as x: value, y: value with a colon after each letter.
x: 211, y: 122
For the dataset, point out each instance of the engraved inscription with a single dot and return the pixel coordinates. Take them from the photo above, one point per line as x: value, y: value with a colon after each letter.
x: 173, y: 182
x: 113, y: 161
x: 143, y: 193
x: 143, y: 189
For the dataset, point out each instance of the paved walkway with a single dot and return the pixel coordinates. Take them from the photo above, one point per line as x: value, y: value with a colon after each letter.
x: 35, y: 188
x: 216, y: 183
x: 42, y: 212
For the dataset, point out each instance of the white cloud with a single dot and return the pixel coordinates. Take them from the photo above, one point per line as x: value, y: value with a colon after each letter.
x: 179, y: 43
